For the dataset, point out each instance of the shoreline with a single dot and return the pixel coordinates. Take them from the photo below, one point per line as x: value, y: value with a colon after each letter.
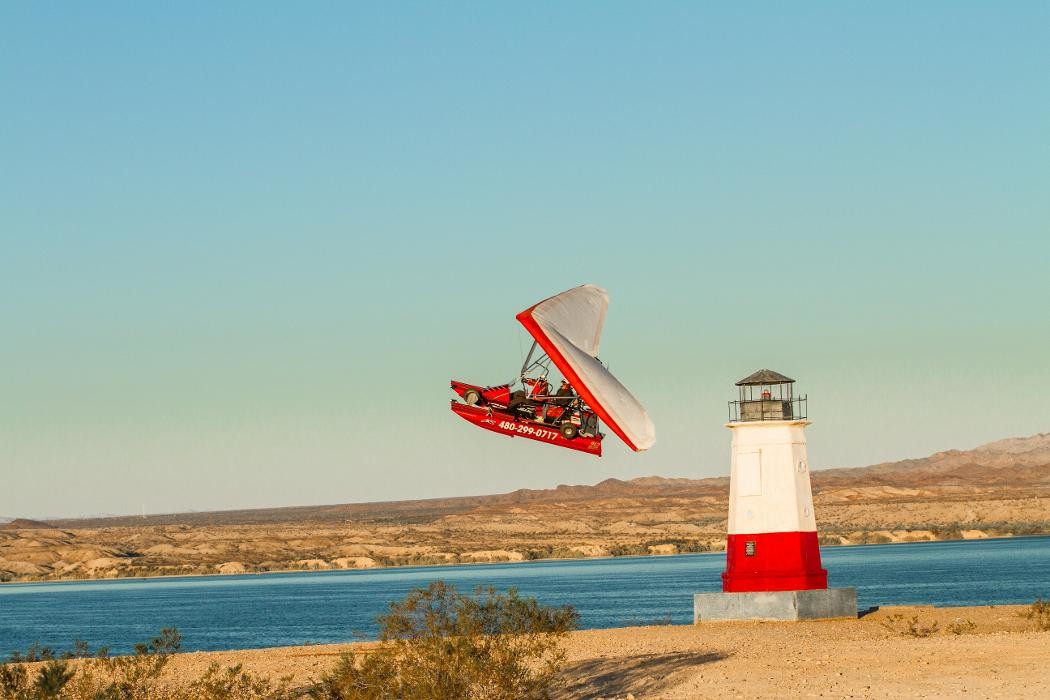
x: 993, y: 651
x: 162, y: 577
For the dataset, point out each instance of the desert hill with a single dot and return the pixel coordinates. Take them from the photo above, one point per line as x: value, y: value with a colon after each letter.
x: 25, y: 524
x: 998, y: 489
x: 408, y: 512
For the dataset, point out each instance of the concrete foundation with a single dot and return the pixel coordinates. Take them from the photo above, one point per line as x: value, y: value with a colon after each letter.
x: 776, y: 605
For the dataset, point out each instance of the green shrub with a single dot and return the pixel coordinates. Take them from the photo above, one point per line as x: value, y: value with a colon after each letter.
x: 51, y: 679
x: 169, y: 641
x: 438, y: 643
x: 51, y: 682
x: 34, y: 653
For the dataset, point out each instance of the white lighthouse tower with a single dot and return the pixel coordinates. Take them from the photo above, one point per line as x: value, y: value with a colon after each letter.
x: 773, y: 568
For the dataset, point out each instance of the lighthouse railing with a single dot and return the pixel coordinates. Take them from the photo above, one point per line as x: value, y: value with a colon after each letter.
x: 768, y: 409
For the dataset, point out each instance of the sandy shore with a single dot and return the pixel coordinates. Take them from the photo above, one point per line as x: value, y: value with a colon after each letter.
x: 1001, y: 656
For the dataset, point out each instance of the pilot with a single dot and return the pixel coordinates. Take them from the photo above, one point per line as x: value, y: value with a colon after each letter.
x: 565, y: 390
x: 517, y: 400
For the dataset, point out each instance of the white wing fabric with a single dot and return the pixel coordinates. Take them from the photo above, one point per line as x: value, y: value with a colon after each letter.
x: 568, y: 327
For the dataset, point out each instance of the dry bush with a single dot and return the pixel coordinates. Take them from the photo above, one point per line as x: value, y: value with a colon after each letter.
x: 869, y: 537
x: 233, y: 683
x: 14, y: 680
x: 101, y: 678
x: 910, y: 627
x: 947, y: 532
x: 118, y: 678
x: 961, y: 625
x: 131, y: 678
x: 438, y: 643
x: 1039, y: 613
x: 34, y: 653
x: 125, y: 677
x: 50, y: 681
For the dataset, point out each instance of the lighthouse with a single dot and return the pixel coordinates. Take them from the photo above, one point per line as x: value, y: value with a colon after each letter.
x: 773, y: 568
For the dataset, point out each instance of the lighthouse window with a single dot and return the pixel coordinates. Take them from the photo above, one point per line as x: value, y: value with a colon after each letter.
x: 749, y: 548
x: 801, y: 466
x: 749, y: 473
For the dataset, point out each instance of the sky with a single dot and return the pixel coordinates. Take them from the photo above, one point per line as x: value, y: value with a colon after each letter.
x: 245, y: 246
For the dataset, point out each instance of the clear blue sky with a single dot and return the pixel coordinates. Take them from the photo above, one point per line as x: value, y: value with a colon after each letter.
x: 244, y: 247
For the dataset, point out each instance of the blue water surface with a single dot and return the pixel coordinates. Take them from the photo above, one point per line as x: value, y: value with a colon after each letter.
x: 240, y: 612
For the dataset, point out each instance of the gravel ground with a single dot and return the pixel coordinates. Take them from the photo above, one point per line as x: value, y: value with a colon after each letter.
x: 1000, y: 656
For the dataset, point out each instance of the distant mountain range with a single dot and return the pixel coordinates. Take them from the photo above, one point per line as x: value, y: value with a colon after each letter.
x: 1013, y: 462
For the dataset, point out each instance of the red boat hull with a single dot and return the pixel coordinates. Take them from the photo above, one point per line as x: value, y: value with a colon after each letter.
x: 497, y: 421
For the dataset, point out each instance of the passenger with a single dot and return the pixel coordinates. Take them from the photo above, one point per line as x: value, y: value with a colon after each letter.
x: 539, y: 387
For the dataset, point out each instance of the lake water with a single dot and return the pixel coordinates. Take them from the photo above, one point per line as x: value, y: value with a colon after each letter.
x: 237, y: 612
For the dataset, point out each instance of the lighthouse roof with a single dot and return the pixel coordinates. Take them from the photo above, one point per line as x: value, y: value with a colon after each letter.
x: 765, y: 376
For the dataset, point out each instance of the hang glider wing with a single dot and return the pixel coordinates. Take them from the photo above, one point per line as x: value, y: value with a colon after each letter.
x: 568, y: 327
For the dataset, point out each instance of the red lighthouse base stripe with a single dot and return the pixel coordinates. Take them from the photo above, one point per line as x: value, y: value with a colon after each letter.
x: 773, y: 561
